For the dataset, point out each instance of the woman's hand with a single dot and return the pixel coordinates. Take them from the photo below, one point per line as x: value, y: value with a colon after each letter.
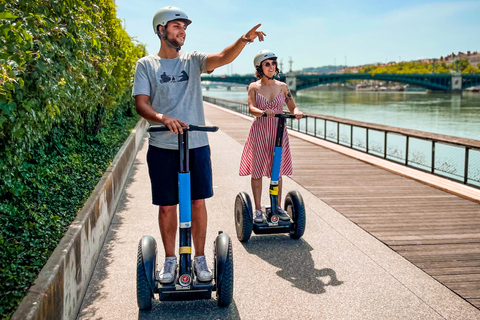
x: 270, y: 113
x: 298, y: 114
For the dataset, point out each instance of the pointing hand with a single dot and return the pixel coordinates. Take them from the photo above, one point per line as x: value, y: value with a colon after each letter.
x: 253, y: 33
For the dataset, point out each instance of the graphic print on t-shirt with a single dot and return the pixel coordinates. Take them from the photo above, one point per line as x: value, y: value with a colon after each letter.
x: 164, y: 78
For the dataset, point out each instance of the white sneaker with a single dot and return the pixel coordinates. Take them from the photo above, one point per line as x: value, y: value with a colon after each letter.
x: 258, y: 216
x: 283, y: 214
x: 167, y: 275
x: 204, y: 274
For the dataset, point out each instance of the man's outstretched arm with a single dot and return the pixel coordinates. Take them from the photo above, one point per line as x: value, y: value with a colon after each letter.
x: 229, y: 54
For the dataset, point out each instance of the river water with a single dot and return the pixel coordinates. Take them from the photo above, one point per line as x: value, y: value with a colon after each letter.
x: 450, y: 114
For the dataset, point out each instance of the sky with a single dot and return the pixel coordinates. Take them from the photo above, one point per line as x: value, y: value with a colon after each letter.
x: 315, y: 33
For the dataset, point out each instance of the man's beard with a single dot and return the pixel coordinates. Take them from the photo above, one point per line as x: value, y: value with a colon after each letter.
x: 172, y: 40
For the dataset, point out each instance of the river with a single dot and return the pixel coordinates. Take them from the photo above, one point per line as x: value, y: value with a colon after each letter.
x: 450, y: 114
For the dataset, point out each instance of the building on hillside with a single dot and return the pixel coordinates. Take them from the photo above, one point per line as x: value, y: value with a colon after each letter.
x: 472, y: 57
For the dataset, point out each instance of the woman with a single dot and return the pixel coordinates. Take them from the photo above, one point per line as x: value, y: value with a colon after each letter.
x: 268, y: 96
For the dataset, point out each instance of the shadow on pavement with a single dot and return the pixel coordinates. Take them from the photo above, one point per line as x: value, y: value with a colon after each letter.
x: 294, y: 259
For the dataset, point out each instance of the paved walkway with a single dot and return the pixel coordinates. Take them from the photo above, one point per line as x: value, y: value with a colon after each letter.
x: 335, y: 271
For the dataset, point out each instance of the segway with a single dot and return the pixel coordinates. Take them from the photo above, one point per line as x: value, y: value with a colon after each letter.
x: 185, y: 285
x: 293, y: 205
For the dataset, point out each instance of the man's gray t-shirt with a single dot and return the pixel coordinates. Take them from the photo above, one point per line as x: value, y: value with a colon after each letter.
x: 174, y: 88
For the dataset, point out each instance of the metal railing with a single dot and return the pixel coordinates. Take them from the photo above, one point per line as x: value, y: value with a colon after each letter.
x: 450, y: 157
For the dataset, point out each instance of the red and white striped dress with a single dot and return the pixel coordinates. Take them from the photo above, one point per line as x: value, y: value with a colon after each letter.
x: 257, y: 156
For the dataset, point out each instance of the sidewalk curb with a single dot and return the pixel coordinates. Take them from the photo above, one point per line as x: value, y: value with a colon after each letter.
x: 58, y: 291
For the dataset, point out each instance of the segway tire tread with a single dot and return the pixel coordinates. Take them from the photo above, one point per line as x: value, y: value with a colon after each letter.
x: 244, y: 228
x: 295, y: 200
x: 225, y: 288
x: 144, y: 293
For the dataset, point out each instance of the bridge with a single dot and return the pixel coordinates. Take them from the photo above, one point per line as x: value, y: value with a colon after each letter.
x: 454, y: 82
x: 228, y: 85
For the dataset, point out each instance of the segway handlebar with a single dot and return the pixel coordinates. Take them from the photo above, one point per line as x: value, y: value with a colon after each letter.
x: 281, y: 115
x: 191, y: 127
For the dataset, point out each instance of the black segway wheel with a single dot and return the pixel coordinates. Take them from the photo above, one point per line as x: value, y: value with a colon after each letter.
x: 243, y: 217
x: 224, y: 270
x: 296, y: 210
x: 146, y: 263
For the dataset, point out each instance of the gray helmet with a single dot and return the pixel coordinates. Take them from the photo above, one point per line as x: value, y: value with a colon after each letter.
x: 263, y: 55
x: 164, y: 15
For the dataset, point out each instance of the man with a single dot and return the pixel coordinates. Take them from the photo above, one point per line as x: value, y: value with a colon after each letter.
x: 167, y: 90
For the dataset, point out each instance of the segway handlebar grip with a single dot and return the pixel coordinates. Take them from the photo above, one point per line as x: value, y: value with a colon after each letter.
x: 191, y: 128
x: 281, y: 115
x: 202, y: 128
x: 157, y: 128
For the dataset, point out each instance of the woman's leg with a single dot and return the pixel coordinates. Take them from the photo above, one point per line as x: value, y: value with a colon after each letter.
x: 281, y: 212
x: 280, y: 191
x: 257, y: 192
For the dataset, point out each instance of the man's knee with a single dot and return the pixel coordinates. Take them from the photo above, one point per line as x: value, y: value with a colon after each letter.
x: 198, y: 204
x: 167, y: 210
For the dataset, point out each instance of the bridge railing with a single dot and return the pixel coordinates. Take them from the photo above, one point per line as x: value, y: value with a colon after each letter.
x: 450, y: 157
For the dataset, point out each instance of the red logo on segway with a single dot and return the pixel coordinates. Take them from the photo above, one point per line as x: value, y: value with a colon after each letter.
x: 185, y: 280
x: 274, y: 219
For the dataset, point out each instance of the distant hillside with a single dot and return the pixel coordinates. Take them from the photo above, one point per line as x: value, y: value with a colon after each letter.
x: 324, y: 69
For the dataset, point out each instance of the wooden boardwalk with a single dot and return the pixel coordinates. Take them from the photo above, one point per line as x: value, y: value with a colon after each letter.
x: 435, y: 230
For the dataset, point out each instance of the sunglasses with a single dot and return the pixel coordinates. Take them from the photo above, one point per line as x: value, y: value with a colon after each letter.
x: 267, y: 64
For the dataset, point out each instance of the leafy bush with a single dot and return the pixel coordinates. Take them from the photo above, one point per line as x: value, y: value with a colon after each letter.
x: 66, y: 70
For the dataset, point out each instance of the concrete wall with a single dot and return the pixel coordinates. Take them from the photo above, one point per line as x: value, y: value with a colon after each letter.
x: 58, y: 291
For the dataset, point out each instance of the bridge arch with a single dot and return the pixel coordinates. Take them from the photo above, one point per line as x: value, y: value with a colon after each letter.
x: 434, y: 82
x: 428, y: 81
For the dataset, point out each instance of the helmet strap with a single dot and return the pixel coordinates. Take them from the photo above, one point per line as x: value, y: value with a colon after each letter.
x: 177, y: 48
x: 264, y: 75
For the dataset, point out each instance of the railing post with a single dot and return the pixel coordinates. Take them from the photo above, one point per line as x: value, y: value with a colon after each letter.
x: 366, y: 142
x: 351, y: 136
x: 385, y: 145
x: 433, y: 157
x: 338, y: 132
x: 406, y: 150
x: 325, y: 129
x: 465, y: 176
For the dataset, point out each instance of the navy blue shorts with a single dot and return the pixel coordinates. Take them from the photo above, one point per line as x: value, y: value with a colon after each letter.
x: 163, y: 167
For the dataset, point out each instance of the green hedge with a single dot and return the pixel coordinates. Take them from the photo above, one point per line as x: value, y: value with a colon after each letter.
x: 66, y: 70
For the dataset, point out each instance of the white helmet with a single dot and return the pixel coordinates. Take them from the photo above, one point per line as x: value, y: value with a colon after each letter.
x: 164, y: 15
x: 263, y: 55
